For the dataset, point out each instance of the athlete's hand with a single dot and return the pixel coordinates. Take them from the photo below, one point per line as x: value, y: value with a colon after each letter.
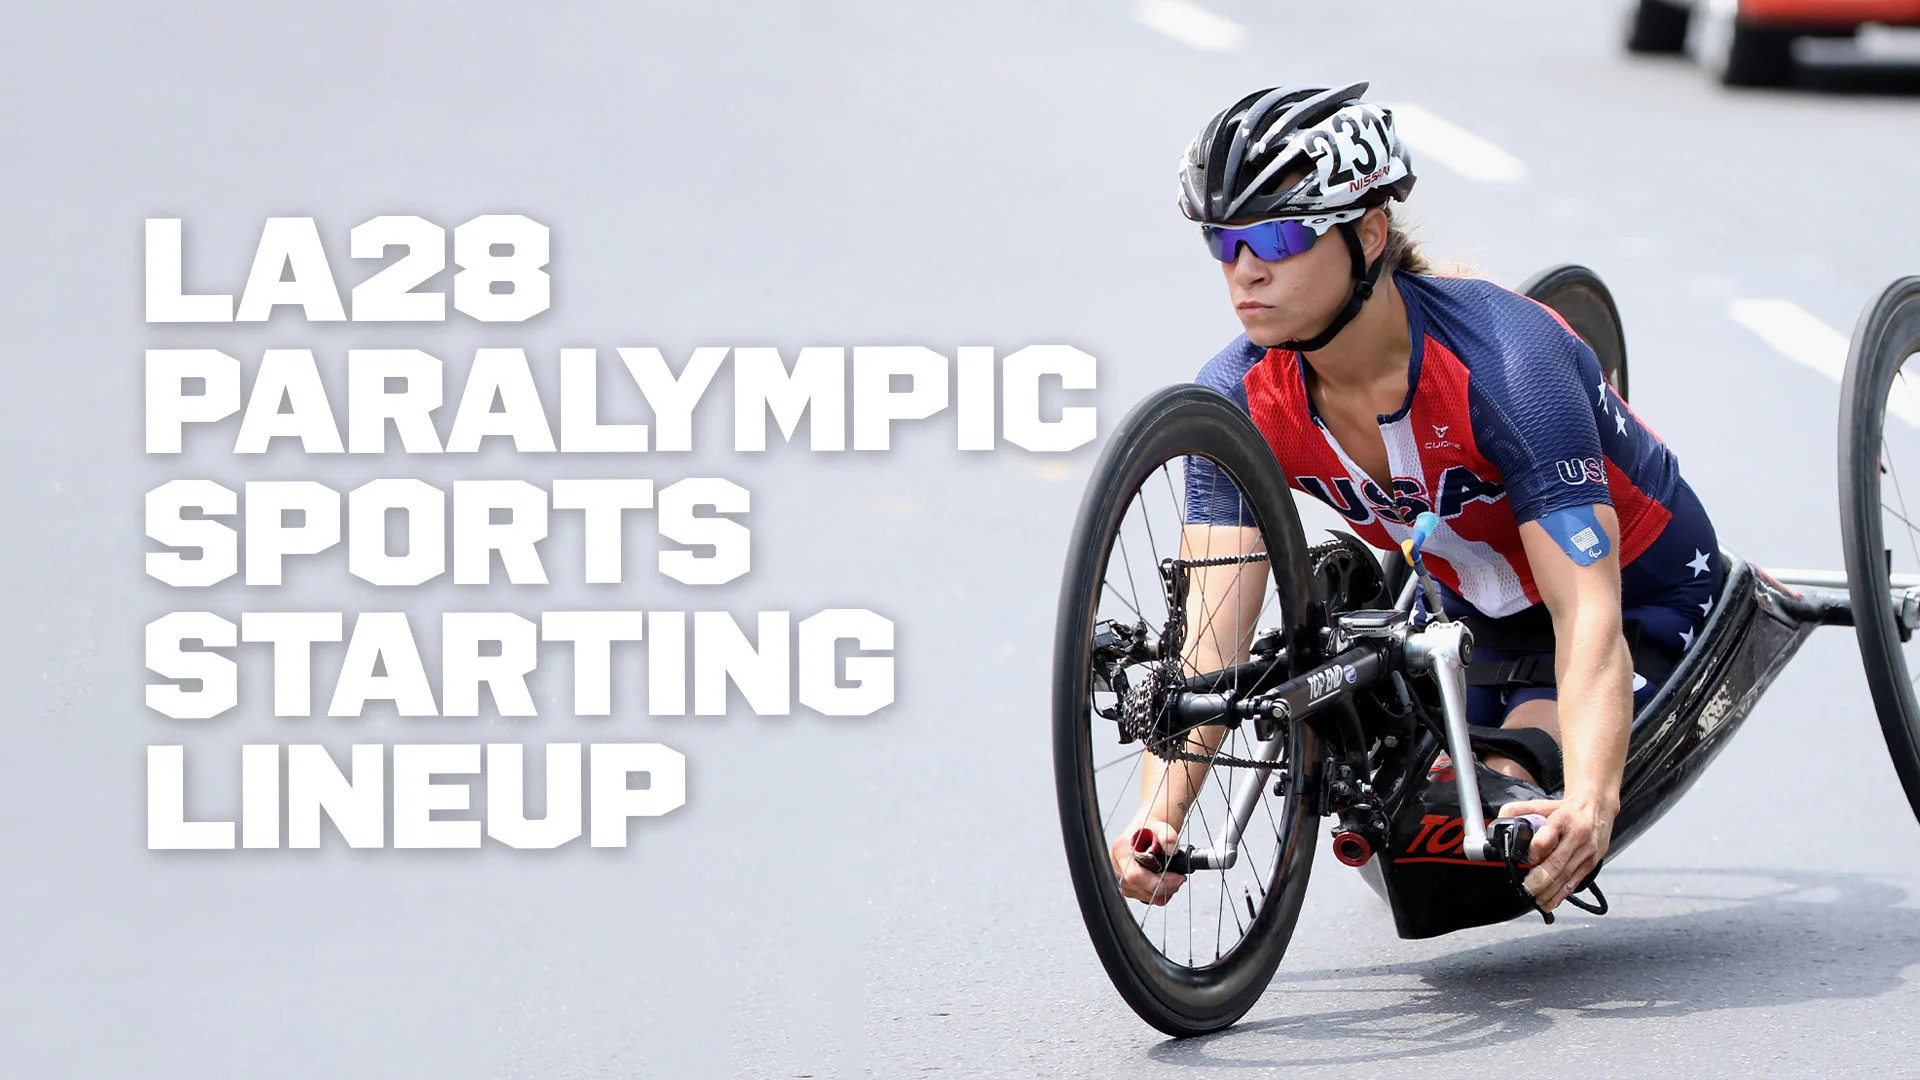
x: 1136, y: 881
x: 1567, y: 848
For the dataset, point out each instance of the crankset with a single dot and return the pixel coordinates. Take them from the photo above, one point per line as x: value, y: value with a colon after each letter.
x: 1348, y: 571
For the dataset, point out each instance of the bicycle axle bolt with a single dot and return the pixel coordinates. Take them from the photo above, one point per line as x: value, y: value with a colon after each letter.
x: 1352, y: 848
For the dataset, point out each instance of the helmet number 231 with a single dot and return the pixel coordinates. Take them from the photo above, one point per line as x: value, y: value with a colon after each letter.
x: 1356, y: 150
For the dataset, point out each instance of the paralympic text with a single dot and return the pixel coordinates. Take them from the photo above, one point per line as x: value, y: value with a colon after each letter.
x: 404, y: 388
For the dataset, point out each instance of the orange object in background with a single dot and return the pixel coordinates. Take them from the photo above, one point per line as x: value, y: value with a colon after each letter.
x: 1830, y: 14
x: 1750, y: 42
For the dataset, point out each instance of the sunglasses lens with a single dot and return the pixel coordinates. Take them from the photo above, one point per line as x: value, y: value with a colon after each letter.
x: 1296, y: 237
x: 1270, y: 241
x: 1221, y: 243
x: 1218, y: 243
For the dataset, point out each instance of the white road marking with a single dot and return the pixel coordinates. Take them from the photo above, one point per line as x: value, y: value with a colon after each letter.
x: 1801, y: 336
x: 1191, y: 25
x: 1458, y: 149
x: 1795, y: 333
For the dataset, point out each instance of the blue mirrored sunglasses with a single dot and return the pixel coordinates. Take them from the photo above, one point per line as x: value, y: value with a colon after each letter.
x: 1270, y: 241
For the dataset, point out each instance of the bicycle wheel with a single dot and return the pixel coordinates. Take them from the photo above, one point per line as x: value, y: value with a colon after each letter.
x: 1577, y: 295
x: 1880, y: 509
x: 1198, y: 962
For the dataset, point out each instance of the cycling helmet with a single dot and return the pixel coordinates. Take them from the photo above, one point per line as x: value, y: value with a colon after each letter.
x: 1234, y: 171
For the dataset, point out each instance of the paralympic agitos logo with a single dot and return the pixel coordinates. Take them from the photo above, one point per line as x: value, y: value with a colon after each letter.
x: 1458, y: 487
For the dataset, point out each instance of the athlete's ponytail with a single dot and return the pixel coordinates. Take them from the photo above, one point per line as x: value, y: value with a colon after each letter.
x: 1401, y: 252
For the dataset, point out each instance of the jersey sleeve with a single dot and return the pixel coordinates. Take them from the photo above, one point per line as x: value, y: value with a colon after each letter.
x: 1212, y: 498
x: 1534, y: 417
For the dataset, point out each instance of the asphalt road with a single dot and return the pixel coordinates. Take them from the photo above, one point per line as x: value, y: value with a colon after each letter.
x: 886, y: 896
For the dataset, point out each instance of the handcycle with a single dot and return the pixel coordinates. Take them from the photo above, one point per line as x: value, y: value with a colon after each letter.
x: 1344, y: 696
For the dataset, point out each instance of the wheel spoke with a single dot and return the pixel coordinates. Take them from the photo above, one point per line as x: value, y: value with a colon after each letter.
x: 1126, y: 563
x: 1906, y: 518
x: 1227, y: 606
x: 1120, y: 794
x: 1123, y: 600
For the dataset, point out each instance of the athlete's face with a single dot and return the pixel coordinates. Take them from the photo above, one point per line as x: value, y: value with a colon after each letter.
x: 1296, y: 297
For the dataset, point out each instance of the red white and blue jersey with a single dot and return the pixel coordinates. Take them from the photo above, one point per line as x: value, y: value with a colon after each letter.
x: 1507, y: 419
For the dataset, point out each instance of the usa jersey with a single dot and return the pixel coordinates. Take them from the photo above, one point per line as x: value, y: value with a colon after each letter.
x: 1507, y: 419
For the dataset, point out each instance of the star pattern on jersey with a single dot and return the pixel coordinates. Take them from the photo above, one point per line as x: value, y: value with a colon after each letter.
x: 1699, y: 563
x: 1620, y: 423
x: 1706, y: 606
x: 1601, y: 402
x: 1686, y: 639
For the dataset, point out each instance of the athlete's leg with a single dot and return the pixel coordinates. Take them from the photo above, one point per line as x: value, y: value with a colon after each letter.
x: 1533, y: 710
x: 1537, y: 707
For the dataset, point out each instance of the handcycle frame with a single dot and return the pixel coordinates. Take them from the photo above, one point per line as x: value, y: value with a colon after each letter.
x: 1329, y: 688
x: 1758, y: 622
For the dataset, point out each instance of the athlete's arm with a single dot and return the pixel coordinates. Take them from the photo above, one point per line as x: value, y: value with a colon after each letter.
x: 1223, y: 606
x: 1595, y: 675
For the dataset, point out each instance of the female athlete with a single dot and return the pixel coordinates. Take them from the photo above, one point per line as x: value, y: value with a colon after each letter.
x: 1570, y: 543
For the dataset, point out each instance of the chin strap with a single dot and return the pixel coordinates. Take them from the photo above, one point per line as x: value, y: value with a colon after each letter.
x: 1364, y: 277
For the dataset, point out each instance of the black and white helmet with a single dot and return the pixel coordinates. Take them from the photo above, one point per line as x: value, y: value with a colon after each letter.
x: 1233, y: 170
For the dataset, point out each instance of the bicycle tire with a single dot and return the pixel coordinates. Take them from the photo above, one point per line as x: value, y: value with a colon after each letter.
x: 1191, y: 998
x: 1658, y: 27
x: 1887, y: 335
x: 1738, y: 52
x: 1577, y: 295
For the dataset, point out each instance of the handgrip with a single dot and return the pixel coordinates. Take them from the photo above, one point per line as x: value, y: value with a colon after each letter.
x: 1510, y: 838
x: 1508, y: 841
x: 1148, y: 855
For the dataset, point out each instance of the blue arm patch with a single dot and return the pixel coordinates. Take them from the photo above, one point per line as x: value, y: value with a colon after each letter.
x: 1578, y: 533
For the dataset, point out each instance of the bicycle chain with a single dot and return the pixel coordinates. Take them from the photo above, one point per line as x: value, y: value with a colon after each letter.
x: 1220, y: 560
x: 1219, y: 759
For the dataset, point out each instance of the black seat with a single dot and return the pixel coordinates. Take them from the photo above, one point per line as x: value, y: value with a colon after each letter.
x: 1578, y: 295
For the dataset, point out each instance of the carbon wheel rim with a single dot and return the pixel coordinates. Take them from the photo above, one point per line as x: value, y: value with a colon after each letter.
x: 1880, y: 511
x: 1197, y: 961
